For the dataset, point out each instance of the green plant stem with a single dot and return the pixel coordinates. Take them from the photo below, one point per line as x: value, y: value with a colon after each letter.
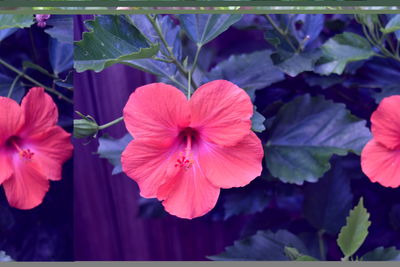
x: 172, y: 78
x: 192, y: 69
x: 391, y: 44
x: 35, y: 56
x: 157, y: 28
x: 111, y: 123
x: 321, y: 244
x: 376, y: 41
x: 10, y: 92
x: 29, y: 78
x: 163, y: 60
x: 171, y: 55
x: 282, y: 33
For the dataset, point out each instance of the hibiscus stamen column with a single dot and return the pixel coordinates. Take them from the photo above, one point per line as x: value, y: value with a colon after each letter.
x: 24, y: 153
x: 185, y: 159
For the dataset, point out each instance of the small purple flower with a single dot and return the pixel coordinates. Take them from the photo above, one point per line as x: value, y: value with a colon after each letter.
x: 41, y: 19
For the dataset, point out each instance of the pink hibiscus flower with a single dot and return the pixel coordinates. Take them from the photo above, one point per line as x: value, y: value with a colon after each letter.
x: 184, y: 151
x: 380, y: 158
x: 32, y: 148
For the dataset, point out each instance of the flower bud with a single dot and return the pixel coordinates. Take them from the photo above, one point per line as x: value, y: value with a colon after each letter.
x: 85, y: 128
x: 41, y: 19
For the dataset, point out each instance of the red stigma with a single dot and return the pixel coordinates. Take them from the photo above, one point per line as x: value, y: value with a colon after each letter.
x: 26, y: 154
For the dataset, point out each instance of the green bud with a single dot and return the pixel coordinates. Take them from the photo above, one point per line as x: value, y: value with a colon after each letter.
x: 85, y: 128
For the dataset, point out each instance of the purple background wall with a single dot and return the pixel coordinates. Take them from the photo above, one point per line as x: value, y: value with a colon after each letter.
x: 106, y: 223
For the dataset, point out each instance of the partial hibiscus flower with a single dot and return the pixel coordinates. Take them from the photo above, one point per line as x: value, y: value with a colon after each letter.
x: 380, y: 158
x: 32, y: 148
x: 184, y: 151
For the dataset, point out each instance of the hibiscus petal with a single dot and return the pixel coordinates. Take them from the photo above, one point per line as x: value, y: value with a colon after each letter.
x: 188, y: 194
x: 51, y: 149
x: 149, y: 164
x: 11, y: 118
x: 40, y: 111
x: 221, y: 112
x: 6, y: 168
x: 386, y: 122
x: 156, y: 111
x: 27, y: 187
x: 380, y: 164
x: 234, y: 166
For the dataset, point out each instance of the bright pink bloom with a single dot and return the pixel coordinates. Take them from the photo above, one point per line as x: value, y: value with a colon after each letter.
x: 32, y: 148
x: 380, y: 158
x: 184, y: 151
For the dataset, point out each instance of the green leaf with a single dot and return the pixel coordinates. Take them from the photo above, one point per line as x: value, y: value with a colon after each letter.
x: 263, y: 246
x: 382, y: 254
x: 305, y: 134
x: 369, y: 20
x: 257, y: 121
x: 171, y: 34
x: 393, y: 25
x: 111, y: 39
x: 5, y: 85
x: 31, y: 65
x: 7, y: 32
x: 202, y: 28
x: 247, y: 200
x: 111, y: 149
x: 297, y: 63
x: 306, y: 258
x: 386, y: 92
x: 60, y: 28
x: 327, y: 203
x: 380, y: 75
x: 294, y: 255
x: 341, y: 50
x: 67, y: 82
x: 323, y: 81
x: 248, y: 71
x: 4, y: 257
x: 60, y: 55
x: 12, y: 21
x: 353, y: 234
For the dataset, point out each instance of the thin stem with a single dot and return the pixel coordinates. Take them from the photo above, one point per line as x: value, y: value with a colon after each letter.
x: 390, y: 42
x: 171, y: 55
x: 172, y: 78
x: 10, y: 92
x: 375, y: 41
x: 29, y: 78
x: 157, y: 28
x: 163, y: 60
x: 192, y: 69
x: 102, y: 127
x: 282, y: 33
x: 189, y: 90
x: 35, y: 56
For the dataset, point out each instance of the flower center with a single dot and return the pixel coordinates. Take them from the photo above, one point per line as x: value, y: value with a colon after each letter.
x: 185, y: 159
x: 23, y: 153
